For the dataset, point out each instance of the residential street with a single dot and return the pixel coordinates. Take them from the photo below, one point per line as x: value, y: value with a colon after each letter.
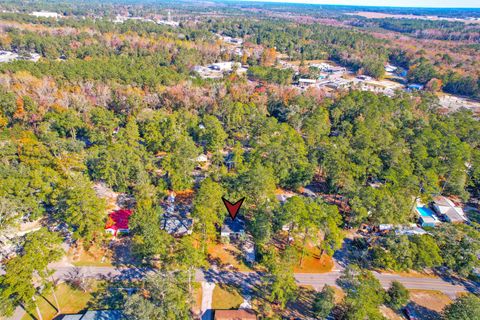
x: 248, y: 280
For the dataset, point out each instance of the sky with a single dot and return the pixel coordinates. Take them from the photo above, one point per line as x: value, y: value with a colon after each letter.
x: 394, y: 3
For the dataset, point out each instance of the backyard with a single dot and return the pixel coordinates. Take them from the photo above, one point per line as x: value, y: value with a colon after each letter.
x: 70, y: 301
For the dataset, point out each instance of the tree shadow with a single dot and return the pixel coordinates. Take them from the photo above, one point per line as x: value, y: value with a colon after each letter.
x: 207, y: 315
x: 249, y: 283
x: 48, y: 301
x: 29, y: 312
x: 122, y: 255
x: 228, y: 288
x: 111, y: 294
x: 470, y: 285
x: 424, y: 313
x: 237, y: 256
x: 302, y: 306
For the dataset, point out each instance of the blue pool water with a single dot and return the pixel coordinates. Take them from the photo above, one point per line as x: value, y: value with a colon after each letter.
x: 425, y: 212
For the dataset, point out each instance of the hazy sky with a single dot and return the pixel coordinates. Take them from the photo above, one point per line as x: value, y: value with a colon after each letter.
x: 395, y: 3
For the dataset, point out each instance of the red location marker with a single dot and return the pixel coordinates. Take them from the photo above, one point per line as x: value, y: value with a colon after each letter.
x: 232, y: 208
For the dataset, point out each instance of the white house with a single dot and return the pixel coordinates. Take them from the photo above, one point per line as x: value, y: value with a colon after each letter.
x: 302, y: 82
x: 446, y: 208
x: 233, y: 228
x: 224, y: 66
x: 410, y: 230
x: 389, y: 68
x: 7, y: 56
x: 45, y: 14
x: 202, y: 158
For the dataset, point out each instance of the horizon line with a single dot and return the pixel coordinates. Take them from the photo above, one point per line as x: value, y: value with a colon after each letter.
x: 347, y: 5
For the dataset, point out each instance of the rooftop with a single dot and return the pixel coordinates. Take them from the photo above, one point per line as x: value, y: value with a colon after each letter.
x: 176, y: 224
x: 241, y: 314
x: 118, y: 219
x: 409, y: 231
x: 453, y: 212
x: 96, y: 315
x: 233, y: 226
x: 307, y: 80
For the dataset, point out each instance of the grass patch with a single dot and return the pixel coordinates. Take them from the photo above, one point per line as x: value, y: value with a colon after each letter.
x: 225, y: 297
x: 69, y: 299
x: 227, y: 254
x: 95, y: 256
x: 410, y: 273
x: 197, y: 296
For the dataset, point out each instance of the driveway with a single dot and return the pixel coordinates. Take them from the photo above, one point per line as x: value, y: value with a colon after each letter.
x: 207, y: 295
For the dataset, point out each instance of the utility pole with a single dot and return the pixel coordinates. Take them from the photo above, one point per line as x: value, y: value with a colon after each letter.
x: 37, y: 308
x: 55, y: 295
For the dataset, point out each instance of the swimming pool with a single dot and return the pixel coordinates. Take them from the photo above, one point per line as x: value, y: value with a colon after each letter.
x: 427, y: 217
x: 425, y: 212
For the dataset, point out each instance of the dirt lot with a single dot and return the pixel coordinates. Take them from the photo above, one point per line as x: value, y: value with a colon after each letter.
x: 227, y: 254
x: 197, y: 295
x: 452, y: 103
x: 313, y: 261
x: 428, y: 303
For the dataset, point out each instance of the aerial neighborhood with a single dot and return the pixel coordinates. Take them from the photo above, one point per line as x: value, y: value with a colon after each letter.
x: 236, y: 160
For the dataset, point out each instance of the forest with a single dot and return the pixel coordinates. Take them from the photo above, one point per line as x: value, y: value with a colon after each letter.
x: 118, y: 103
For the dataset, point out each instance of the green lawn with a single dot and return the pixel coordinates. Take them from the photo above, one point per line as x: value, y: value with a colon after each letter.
x: 70, y: 300
x: 226, y: 298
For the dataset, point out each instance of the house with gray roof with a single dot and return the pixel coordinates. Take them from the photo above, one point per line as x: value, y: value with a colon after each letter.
x: 448, y: 210
x: 233, y: 228
x: 97, y: 315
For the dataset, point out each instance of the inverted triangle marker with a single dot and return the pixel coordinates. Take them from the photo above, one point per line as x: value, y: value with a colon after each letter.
x: 232, y: 208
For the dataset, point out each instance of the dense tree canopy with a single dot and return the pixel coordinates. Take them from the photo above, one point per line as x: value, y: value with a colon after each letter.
x: 117, y: 105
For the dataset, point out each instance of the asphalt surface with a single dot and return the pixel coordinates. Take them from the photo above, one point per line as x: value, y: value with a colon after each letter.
x: 248, y: 281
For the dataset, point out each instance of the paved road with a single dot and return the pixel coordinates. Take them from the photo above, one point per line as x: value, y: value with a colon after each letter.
x: 249, y: 280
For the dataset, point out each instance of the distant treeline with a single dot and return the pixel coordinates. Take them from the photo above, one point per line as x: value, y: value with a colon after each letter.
x: 427, y: 29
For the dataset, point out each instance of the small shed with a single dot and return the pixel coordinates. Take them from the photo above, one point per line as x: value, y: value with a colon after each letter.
x: 248, y: 248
